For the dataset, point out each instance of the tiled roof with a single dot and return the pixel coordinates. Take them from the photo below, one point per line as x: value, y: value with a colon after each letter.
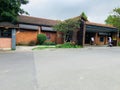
x: 8, y: 25
x: 98, y: 24
x: 36, y: 21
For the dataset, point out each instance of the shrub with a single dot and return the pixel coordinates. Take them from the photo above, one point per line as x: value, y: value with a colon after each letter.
x: 41, y: 38
x: 68, y: 45
x: 49, y: 43
x: 118, y: 43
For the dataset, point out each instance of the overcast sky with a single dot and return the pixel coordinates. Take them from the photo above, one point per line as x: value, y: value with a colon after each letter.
x: 96, y: 10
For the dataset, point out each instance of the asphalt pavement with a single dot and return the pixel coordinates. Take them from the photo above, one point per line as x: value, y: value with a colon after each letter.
x: 90, y: 68
x: 17, y: 71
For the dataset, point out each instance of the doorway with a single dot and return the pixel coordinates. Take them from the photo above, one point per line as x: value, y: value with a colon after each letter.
x: 88, y: 36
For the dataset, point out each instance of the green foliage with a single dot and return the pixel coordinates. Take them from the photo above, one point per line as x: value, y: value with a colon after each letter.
x: 83, y: 16
x: 10, y: 9
x: 41, y: 38
x: 67, y: 25
x: 114, y: 18
x: 70, y: 24
x: 68, y: 45
x: 49, y: 43
x: 118, y: 43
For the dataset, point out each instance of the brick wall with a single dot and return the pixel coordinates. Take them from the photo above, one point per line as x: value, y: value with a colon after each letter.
x: 5, y: 42
x: 26, y: 36
x: 60, y: 39
x: 51, y: 36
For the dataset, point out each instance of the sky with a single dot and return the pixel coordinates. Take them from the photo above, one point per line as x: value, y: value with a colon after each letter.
x: 96, y: 10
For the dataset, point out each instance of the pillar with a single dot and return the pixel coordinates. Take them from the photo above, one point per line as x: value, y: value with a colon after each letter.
x: 13, y: 39
x: 96, y: 38
x: 39, y: 30
x: 84, y: 32
x: 117, y: 37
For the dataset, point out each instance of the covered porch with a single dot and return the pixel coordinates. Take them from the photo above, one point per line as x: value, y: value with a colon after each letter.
x: 100, y: 33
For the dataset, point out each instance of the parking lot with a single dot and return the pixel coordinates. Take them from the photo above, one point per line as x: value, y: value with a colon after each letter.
x: 90, y: 68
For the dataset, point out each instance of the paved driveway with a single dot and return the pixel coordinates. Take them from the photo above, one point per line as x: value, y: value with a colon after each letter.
x: 78, y: 69
x: 17, y: 71
x: 91, y: 68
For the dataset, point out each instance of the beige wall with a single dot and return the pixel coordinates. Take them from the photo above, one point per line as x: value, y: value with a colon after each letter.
x: 5, y: 42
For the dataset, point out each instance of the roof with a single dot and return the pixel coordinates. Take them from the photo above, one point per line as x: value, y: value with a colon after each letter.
x: 98, y: 24
x: 8, y: 25
x: 36, y: 21
x: 96, y: 27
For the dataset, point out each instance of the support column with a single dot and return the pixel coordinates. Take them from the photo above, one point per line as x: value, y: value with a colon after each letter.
x: 81, y: 33
x: 13, y: 39
x: 39, y: 30
x: 84, y: 32
x: 96, y: 38
x: 117, y: 37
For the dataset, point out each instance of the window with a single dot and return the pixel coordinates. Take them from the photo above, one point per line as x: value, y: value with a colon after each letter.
x: 6, y: 33
x: 48, y: 36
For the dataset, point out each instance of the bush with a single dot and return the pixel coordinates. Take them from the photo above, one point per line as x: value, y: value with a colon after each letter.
x: 68, y: 45
x: 118, y: 43
x: 49, y: 43
x: 41, y: 38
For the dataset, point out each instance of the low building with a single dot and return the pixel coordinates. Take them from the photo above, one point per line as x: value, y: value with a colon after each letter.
x: 27, y: 29
x: 30, y: 27
x: 7, y: 35
x: 100, y: 32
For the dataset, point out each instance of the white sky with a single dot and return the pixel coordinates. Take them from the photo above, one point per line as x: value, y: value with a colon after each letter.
x: 96, y: 10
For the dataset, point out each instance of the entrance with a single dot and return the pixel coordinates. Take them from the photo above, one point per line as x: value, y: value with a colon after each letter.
x: 88, y: 36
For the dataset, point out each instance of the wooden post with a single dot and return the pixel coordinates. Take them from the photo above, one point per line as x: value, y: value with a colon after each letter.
x: 96, y: 38
x: 84, y: 32
x: 117, y: 37
x: 81, y: 33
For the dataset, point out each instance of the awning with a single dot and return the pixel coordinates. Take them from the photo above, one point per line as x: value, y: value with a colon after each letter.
x: 94, y: 28
x: 47, y: 28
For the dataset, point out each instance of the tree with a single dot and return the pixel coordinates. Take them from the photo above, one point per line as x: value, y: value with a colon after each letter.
x: 114, y: 18
x: 10, y: 9
x: 69, y: 25
x: 83, y: 16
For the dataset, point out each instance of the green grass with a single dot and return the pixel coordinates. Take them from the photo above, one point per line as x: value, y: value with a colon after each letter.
x: 65, y: 45
x: 118, y: 43
x: 39, y: 47
x: 68, y: 45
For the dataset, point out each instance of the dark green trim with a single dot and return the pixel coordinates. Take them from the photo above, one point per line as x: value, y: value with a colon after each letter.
x: 93, y: 28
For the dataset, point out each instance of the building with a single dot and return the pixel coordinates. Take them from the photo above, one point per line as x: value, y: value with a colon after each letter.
x: 27, y: 28
x: 100, y: 33
x: 26, y: 31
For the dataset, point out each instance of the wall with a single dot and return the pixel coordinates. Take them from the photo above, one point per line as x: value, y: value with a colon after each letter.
x: 26, y: 36
x: 51, y: 36
x: 60, y: 39
x: 5, y: 42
